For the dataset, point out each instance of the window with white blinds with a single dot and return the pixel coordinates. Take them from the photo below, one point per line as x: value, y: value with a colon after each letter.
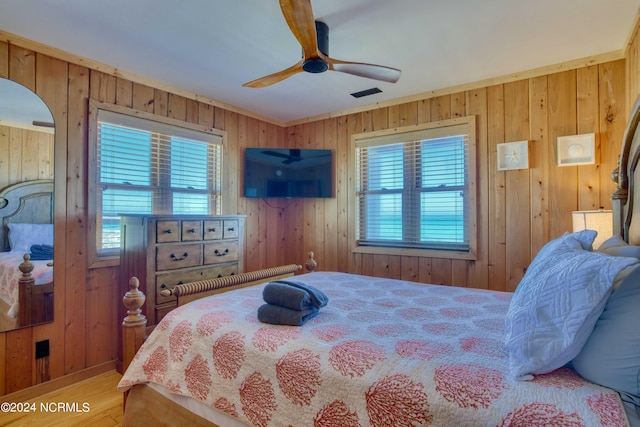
x: 149, y: 167
x: 414, y: 188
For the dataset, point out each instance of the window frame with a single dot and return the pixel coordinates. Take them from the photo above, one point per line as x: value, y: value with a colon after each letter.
x: 401, y: 134
x: 112, y: 258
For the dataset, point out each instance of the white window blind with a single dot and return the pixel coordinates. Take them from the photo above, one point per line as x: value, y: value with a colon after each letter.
x: 149, y: 167
x: 413, y: 189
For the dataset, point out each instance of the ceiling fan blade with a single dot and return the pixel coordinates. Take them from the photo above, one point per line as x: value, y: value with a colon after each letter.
x: 275, y: 77
x: 371, y: 71
x: 299, y: 17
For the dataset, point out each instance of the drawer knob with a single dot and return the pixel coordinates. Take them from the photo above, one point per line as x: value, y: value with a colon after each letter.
x: 175, y: 258
x: 218, y: 253
x: 231, y: 229
x: 193, y: 230
x: 169, y: 231
x: 212, y: 230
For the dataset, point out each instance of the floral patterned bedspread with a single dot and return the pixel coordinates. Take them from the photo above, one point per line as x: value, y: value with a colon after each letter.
x: 10, y: 276
x: 381, y: 353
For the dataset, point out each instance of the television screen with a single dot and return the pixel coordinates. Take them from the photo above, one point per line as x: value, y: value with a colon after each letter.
x: 287, y: 173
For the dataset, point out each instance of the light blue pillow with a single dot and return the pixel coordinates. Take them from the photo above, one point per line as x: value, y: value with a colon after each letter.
x: 557, y: 303
x: 611, y: 355
x: 585, y: 237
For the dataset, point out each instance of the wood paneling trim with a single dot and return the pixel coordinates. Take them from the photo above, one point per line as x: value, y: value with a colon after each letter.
x: 94, y: 65
x: 508, y: 78
x: 497, y: 197
x: 124, y: 75
x: 539, y: 163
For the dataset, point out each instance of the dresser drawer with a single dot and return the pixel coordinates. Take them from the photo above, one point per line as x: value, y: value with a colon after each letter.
x: 191, y: 230
x: 167, y: 231
x: 222, y: 271
x: 163, y: 310
x: 231, y: 229
x: 171, y: 257
x: 169, y: 280
x: 213, y: 229
x: 224, y: 251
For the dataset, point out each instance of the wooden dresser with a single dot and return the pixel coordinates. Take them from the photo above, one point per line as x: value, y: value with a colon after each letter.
x: 164, y: 250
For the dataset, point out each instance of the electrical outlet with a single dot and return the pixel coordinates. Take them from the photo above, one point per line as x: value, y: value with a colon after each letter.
x: 42, y: 349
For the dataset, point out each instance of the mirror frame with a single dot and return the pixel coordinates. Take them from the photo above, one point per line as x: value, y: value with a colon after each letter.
x: 26, y: 119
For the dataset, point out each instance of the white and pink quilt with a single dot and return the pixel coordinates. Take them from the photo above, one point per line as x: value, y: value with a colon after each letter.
x: 381, y: 353
x: 10, y: 278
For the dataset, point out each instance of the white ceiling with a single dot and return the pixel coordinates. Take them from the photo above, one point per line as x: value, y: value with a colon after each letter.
x: 212, y: 47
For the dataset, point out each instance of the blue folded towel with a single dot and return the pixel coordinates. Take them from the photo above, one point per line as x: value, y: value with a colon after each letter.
x: 278, y: 315
x: 293, y: 295
x: 41, y: 252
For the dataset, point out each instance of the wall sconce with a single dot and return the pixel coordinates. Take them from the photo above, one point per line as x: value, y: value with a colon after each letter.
x: 599, y: 220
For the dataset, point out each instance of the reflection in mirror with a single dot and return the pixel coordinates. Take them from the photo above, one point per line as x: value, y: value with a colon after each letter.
x: 26, y: 207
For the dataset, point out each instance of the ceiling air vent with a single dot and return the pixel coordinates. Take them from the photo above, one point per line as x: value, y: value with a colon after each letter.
x: 366, y: 92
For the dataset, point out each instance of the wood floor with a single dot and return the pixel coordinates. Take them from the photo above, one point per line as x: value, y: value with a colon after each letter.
x: 95, y: 402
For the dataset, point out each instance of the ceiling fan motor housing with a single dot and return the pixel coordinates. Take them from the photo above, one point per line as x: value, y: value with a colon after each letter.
x: 318, y: 65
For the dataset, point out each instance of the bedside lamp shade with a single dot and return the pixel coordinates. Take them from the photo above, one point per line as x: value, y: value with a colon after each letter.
x: 598, y: 220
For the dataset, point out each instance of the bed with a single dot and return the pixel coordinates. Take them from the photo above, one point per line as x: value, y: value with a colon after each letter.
x: 26, y: 285
x: 562, y: 350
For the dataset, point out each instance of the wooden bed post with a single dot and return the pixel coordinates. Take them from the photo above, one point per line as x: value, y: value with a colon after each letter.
x: 134, y: 325
x: 618, y: 201
x: 25, y: 283
x: 311, y: 263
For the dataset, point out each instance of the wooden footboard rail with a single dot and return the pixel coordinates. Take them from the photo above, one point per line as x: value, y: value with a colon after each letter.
x: 134, y: 325
x: 242, y: 279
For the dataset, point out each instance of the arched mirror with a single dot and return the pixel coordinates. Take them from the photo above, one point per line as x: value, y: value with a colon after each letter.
x: 26, y: 207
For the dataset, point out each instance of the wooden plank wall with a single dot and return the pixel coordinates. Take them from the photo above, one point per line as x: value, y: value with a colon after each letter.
x: 633, y: 67
x: 84, y: 331
x: 25, y: 155
x: 518, y: 210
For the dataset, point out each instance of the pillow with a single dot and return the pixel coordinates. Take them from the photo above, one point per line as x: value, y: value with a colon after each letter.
x: 611, y: 355
x: 23, y: 236
x: 584, y: 237
x: 556, y: 305
x: 616, y: 246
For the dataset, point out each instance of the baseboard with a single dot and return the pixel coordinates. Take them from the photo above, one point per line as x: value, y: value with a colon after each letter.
x: 58, y: 383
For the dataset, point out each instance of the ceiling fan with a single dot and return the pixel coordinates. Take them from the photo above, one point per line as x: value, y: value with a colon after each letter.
x: 295, y: 155
x: 313, y: 36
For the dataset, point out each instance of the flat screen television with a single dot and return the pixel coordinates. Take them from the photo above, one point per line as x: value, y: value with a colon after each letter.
x: 288, y: 173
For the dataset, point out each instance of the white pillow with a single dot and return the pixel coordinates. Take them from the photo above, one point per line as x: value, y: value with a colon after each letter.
x: 23, y: 236
x: 616, y: 246
x: 556, y: 305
